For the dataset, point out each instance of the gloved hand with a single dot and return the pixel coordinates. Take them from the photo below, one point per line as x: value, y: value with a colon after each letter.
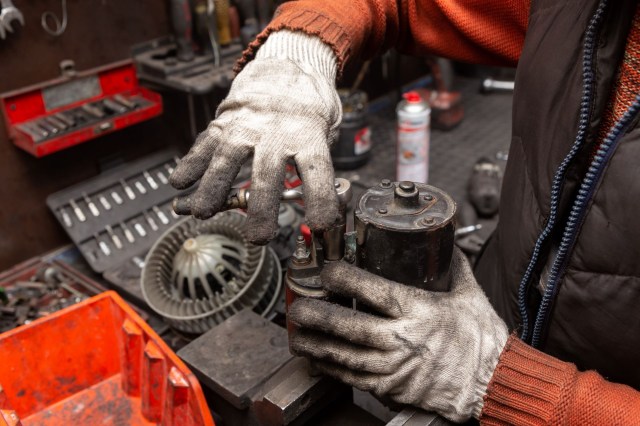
x: 436, y: 351
x: 282, y: 106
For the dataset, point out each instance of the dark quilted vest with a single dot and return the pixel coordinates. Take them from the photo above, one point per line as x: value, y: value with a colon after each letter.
x: 563, y: 83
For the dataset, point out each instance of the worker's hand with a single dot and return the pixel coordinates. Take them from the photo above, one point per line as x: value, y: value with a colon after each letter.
x: 436, y: 351
x: 283, y: 106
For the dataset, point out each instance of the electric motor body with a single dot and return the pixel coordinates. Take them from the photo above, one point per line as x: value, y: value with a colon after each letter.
x: 405, y: 233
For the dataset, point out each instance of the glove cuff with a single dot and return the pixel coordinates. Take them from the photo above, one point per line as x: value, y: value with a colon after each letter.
x: 305, y: 50
x: 486, y: 370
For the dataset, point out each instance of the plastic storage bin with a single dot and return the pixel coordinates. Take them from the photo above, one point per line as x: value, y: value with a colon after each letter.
x: 96, y: 362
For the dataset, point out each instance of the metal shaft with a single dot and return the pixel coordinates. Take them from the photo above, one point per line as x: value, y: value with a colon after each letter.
x: 239, y: 198
x: 491, y: 85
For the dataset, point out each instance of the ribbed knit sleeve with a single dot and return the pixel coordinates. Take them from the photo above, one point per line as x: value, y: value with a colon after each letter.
x: 479, y: 31
x: 529, y: 387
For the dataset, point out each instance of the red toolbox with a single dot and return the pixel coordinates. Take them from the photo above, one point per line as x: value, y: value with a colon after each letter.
x: 77, y: 107
x: 95, y: 363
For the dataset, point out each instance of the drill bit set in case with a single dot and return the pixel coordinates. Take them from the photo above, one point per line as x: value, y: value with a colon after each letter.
x: 115, y: 217
x: 77, y: 107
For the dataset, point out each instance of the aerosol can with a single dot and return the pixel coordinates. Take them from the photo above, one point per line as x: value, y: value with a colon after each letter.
x: 414, y: 119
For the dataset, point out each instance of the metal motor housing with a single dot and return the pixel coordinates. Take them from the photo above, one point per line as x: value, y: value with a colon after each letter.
x: 405, y: 233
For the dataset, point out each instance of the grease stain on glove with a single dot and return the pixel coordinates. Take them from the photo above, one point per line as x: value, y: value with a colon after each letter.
x: 283, y: 106
x: 436, y: 351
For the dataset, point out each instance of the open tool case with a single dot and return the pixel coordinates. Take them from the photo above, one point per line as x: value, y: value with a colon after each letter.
x: 77, y: 107
x: 115, y: 217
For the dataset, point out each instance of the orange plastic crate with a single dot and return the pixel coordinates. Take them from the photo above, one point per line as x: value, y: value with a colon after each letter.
x: 96, y: 362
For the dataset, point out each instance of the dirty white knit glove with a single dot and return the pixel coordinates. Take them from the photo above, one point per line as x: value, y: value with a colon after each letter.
x: 436, y: 351
x: 283, y: 106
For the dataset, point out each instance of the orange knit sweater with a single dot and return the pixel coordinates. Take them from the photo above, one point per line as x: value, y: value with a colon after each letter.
x: 528, y: 386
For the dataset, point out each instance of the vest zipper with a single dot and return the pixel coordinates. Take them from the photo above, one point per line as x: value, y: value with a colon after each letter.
x: 558, y: 179
x: 577, y: 215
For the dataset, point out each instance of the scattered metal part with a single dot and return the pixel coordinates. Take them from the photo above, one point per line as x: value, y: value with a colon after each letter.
x: 66, y: 218
x: 49, y: 275
x: 77, y: 211
x: 162, y: 177
x: 116, y: 197
x: 140, y: 229
x: 105, y: 203
x: 152, y: 183
x: 31, y: 285
x: 151, y: 222
x: 161, y: 215
x: 128, y: 190
x: 140, y: 187
x: 127, y: 233
x: 490, y: 85
x: 483, y: 187
x: 502, y: 155
x: 73, y: 291
x: 466, y: 230
x: 92, y: 207
x: 114, y: 237
x: 33, y: 293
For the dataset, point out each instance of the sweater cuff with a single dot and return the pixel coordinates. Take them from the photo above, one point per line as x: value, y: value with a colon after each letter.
x: 527, y: 386
x: 303, y: 49
x: 306, y: 21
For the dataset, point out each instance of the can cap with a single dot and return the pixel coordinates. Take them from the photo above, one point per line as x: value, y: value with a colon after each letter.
x: 412, y: 97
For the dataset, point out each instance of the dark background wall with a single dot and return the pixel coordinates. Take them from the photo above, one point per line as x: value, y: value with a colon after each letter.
x: 98, y: 32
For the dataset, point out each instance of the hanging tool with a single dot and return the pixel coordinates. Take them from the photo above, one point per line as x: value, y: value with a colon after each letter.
x: 213, y: 31
x: 9, y: 14
x: 182, y: 26
x: 222, y: 19
x: 250, y: 29
x: 59, y: 27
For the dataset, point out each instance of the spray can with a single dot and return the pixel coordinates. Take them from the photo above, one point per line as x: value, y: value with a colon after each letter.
x: 414, y: 117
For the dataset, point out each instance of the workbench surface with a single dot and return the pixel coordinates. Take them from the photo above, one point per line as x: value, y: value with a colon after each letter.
x: 484, y: 131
